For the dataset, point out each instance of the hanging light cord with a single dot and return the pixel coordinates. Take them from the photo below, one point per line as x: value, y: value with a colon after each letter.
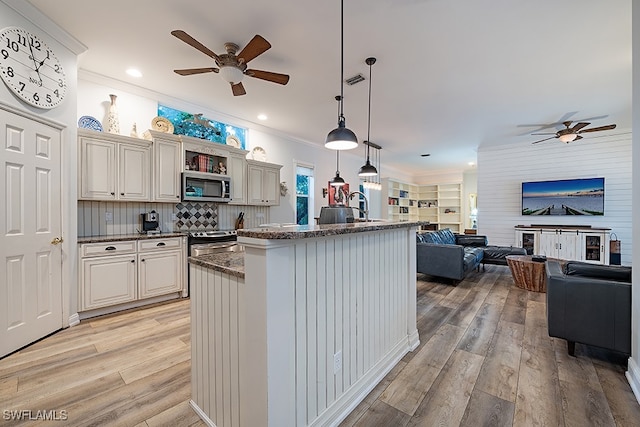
x: 341, y: 116
x: 369, y: 117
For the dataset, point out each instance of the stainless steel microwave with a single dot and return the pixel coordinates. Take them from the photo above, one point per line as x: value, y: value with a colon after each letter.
x: 205, y: 187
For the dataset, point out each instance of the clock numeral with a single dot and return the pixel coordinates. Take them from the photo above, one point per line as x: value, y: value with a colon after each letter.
x: 4, y: 53
x: 13, y: 45
x: 10, y: 72
x: 36, y: 45
x: 55, y: 92
x: 36, y: 97
x: 56, y: 68
x: 48, y: 97
x: 22, y: 40
x: 60, y: 83
x: 22, y: 86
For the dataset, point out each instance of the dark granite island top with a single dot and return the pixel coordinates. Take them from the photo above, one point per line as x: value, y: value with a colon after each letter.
x: 286, y: 231
x: 121, y: 237
x: 231, y: 263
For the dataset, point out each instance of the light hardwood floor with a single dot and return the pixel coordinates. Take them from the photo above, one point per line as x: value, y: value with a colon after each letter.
x: 485, y: 359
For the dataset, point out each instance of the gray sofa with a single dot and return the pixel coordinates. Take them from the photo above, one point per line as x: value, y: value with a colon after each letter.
x: 445, y: 254
x: 589, y: 304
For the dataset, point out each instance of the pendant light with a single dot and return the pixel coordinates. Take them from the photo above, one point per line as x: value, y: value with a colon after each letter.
x: 368, y: 169
x: 337, y: 180
x: 341, y: 138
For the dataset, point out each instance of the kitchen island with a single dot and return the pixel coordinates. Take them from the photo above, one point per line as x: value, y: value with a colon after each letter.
x: 301, y: 326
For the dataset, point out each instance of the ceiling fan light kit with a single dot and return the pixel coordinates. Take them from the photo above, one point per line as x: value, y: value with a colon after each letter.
x: 368, y: 169
x: 567, y: 138
x: 231, y: 74
x: 341, y: 138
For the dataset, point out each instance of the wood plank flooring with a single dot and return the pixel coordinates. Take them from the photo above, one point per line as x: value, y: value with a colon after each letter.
x: 485, y: 359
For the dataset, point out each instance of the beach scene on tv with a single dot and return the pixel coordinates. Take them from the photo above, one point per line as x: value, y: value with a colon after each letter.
x: 565, y: 197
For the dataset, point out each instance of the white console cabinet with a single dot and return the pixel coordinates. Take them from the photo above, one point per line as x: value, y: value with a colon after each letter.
x: 118, y: 272
x: 569, y: 243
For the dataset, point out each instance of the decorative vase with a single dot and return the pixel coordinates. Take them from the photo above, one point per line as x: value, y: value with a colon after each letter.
x: 113, y: 122
x: 134, y: 131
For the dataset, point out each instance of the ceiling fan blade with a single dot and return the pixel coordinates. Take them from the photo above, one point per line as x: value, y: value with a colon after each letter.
x: 238, y: 89
x: 190, y: 71
x: 608, y: 127
x: 577, y: 138
x: 546, y: 139
x: 579, y: 126
x: 545, y: 133
x: 282, y: 79
x: 194, y: 43
x: 257, y: 46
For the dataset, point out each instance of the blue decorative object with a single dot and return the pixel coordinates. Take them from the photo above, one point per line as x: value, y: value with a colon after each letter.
x: 88, y: 122
x: 200, y: 127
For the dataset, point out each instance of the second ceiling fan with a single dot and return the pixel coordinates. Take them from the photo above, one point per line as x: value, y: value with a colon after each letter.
x: 570, y: 134
x: 232, y: 66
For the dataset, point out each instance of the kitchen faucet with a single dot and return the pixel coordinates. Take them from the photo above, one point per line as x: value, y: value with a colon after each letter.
x: 366, y: 204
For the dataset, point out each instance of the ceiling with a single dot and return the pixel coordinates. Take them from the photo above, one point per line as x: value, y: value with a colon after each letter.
x: 450, y: 75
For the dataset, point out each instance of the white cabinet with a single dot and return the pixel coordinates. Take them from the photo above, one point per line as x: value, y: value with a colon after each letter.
x: 113, y: 167
x: 399, y: 200
x: 167, y: 166
x: 263, y: 183
x: 118, y: 272
x: 569, y: 243
x: 237, y: 170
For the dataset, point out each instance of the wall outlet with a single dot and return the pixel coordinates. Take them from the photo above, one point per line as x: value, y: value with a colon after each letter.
x: 174, y: 217
x: 108, y: 216
x: 337, y: 362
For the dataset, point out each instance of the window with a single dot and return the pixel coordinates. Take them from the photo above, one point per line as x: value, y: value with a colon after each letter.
x: 304, y: 194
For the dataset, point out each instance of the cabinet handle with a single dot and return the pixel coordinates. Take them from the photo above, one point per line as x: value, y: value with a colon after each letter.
x: 132, y: 261
x: 161, y: 244
x: 142, y: 260
x: 113, y: 194
x: 110, y: 248
x: 177, y: 197
x: 122, y: 194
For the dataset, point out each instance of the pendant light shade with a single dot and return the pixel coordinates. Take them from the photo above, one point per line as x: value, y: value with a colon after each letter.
x: 368, y: 169
x: 341, y: 138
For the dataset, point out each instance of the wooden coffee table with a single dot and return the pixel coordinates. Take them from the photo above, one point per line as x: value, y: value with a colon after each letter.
x: 528, y: 274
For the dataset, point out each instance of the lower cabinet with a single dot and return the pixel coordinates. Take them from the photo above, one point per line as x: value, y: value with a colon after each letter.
x: 124, y: 271
x: 578, y: 244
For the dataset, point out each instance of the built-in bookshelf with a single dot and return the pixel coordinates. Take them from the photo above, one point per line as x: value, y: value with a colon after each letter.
x: 441, y: 205
x: 399, y: 200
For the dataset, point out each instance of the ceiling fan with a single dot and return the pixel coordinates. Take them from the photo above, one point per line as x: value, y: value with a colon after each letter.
x: 570, y: 134
x: 232, y: 67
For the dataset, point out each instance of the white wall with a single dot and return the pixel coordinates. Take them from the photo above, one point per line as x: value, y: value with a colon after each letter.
x: 502, y: 169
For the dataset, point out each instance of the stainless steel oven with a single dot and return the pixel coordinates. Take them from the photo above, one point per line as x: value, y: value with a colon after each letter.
x: 207, y: 242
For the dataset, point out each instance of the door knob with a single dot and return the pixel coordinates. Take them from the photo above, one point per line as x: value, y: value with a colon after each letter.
x: 57, y: 241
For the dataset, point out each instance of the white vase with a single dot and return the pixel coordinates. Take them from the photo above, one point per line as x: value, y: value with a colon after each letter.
x: 113, y: 122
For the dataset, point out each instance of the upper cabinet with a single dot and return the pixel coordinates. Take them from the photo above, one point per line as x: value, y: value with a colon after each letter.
x: 263, y: 183
x: 114, y: 167
x: 167, y: 165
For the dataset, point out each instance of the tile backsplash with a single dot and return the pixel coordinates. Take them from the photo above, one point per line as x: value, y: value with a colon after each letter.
x: 115, y: 218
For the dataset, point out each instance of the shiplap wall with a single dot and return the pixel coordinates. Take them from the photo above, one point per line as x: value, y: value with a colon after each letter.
x: 126, y: 217
x: 502, y: 169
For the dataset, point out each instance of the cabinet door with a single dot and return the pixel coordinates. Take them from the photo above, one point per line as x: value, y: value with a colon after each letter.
x: 107, y: 281
x: 134, y: 172
x: 159, y: 273
x: 592, y: 248
x: 568, y: 245
x: 548, y: 244
x: 237, y: 170
x: 255, y: 186
x: 529, y: 240
x: 271, y: 183
x: 166, y: 171
x: 97, y: 169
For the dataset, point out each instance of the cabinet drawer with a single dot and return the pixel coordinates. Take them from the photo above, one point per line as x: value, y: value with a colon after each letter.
x: 107, y: 248
x: 156, y: 244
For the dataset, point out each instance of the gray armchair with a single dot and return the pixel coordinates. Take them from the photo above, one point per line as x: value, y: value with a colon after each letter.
x: 590, y: 304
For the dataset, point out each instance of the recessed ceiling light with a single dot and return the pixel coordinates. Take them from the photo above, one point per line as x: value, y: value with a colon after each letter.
x: 425, y: 155
x: 262, y: 117
x: 134, y: 72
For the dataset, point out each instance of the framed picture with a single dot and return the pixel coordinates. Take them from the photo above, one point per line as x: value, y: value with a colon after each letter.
x: 338, y: 196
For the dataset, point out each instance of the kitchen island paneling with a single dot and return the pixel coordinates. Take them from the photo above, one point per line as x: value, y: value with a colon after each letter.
x: 322, y: 314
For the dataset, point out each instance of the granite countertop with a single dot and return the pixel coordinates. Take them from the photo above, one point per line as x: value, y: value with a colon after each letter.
x: 231, y: 263
x: 135, y: 236
x: 292, y: 231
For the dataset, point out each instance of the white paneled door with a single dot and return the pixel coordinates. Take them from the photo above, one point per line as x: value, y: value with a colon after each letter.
x: 30, y: 227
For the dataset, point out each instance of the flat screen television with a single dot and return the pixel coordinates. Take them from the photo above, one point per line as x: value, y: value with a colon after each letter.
x: 563, y: 197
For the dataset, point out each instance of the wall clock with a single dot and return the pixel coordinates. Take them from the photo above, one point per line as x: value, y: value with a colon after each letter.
x: 31, y: 69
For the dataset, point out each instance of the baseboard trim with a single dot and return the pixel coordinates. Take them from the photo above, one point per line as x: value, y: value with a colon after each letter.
x: 633, y: 376
x: 126, y: 306
x: 201, y: 414
x: 74, y: 319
